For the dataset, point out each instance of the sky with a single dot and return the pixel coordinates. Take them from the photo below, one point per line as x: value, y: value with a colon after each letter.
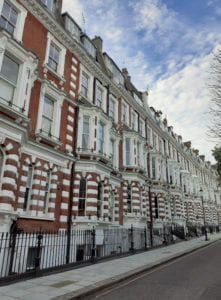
x: 167, y: 47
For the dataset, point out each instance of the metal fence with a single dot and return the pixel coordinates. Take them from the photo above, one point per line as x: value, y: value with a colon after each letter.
x: 25, y: 255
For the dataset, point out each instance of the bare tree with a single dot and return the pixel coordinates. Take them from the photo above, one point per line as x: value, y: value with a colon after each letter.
x: 215, y: 94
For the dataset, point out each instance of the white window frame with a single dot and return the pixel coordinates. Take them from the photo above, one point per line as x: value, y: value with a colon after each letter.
x: 60, y: 68
x: 124, y: 105
x: 22, y: 13
x: 141, y: 127
x: 126, y: 151
x: 103, y: 140
x: 134, y: 119
x: 99, y: 102
x: 90, y: 83
x: 58, y: 98
x: 13, y: 85
x: 85, y: 198
x: 51, y: 9
x: 149, y: 137
x: 27, y: 64
x: 115, y: 111
x: 82, y: 134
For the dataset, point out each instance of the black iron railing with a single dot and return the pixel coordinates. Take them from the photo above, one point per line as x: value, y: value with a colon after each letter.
x: 24, y: 255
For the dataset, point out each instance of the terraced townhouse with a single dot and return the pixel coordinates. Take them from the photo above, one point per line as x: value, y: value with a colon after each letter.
x: 79, y: 144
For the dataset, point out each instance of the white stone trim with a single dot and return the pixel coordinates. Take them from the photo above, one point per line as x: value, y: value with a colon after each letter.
x: 62, y: 53
x: 22, y: 13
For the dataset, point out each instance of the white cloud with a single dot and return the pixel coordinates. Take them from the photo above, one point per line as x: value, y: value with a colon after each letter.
x: 183, y: 97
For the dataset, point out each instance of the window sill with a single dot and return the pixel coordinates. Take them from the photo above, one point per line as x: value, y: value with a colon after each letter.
x: 28, y: 216
x: 49, y: 139
x: 13, y: 110
x: 54, y: 73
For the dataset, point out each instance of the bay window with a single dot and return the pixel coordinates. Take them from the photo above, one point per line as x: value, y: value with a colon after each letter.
x: 48, y: 115
x: 153, y: 168
x: 138, y: 154
x: 127, y: 151
x: 100, y: 137
x: 8, y: 78
x: 8, y: 18
x: 85, y: 133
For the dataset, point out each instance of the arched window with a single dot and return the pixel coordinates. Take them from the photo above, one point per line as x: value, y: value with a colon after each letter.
x: 82, y: 197
x: 1, y: 164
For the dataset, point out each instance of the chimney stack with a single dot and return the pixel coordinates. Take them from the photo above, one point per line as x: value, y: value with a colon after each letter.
x: 188, y: 144
x: 98, y: 43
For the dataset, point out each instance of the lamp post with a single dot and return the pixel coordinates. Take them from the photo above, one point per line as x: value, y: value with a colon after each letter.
x: 204, y: 216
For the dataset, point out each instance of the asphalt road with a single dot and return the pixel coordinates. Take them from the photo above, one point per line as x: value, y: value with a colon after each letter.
x: 194, y: 276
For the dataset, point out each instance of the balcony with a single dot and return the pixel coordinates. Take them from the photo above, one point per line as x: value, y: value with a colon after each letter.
x: 47, y: 138
x: 13, y: 111
x: 94, y: 155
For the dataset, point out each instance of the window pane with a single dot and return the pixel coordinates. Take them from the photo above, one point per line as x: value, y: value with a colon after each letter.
x: 6, y: 90
x: 8, y: 18
x: 48, y: 108
x: 9, y: 69
x: 29, y: 177
x: 85, y: 139
x: 46, y: 124
x: 82, y: 189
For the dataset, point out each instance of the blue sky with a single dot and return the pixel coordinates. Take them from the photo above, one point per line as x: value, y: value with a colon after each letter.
x: 167, y: 46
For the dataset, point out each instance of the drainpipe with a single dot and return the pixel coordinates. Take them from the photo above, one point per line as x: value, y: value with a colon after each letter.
x: 72, y: 186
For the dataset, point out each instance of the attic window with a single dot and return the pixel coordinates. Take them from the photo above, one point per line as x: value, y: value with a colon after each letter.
x: 50, y: 4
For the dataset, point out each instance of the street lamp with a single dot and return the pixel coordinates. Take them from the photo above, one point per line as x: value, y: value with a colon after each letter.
x: 204, y: 217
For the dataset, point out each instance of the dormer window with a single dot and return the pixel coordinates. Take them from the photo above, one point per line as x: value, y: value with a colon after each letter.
x: 8, y: 17
x: 50, y: 4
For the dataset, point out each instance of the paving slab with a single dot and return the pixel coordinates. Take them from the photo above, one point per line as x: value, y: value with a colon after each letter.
x: 75, y: 283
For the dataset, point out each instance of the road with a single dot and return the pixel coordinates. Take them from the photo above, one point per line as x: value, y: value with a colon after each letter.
x: 196, y: 276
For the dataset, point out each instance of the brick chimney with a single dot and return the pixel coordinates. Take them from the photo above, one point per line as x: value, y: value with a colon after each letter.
x: 202, y: 157
x: 188, y: 144
x: 98, y: 43
x: 196, y: 151
x: 59, y: 4
x: 165, y: 122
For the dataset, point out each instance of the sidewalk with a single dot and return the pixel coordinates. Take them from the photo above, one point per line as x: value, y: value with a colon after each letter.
x: 71, y: 284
